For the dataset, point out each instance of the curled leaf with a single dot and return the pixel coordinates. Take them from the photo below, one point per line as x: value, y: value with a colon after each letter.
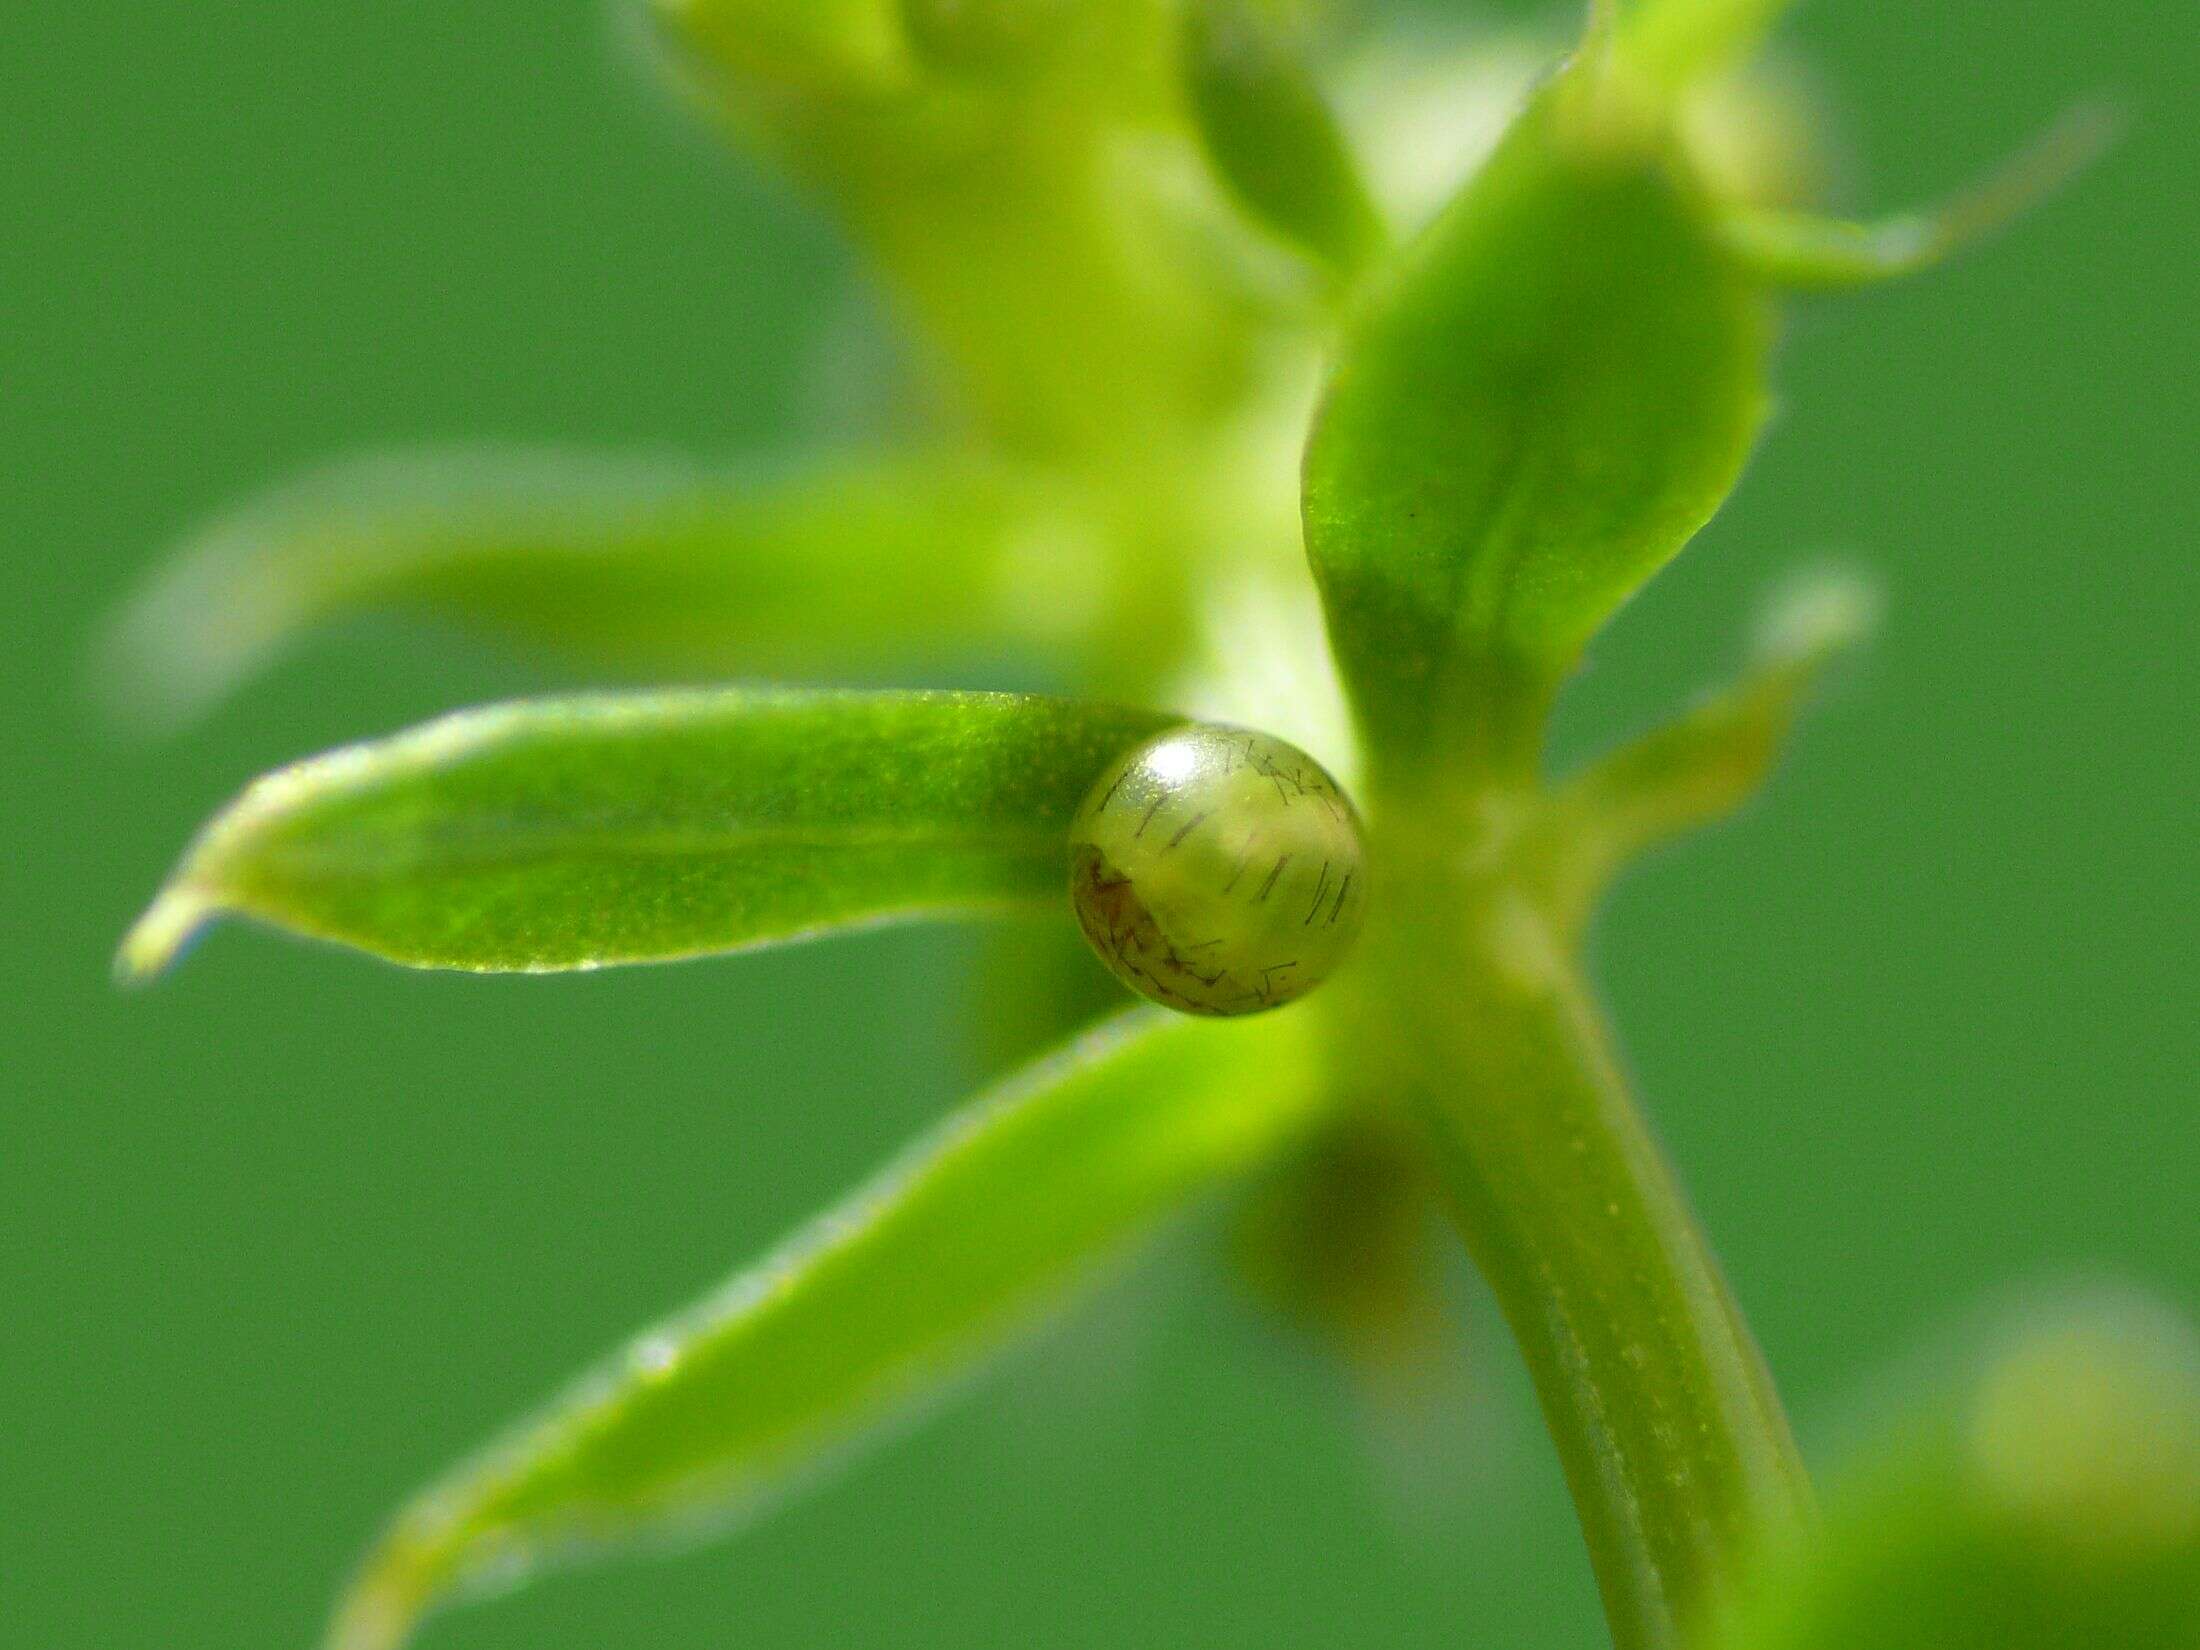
x: 574, y: 833
x: 1556, y: 391
x: 635, y: 562
x: 879, y: 1302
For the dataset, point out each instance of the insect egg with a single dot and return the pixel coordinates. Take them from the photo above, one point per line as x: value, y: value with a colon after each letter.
x: 1218, y: 871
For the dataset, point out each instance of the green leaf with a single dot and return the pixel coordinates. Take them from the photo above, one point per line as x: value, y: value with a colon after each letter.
x: 1804, y: 252
x: 989, y: 36
x: 1706, y: 763
x: 578, y: 832
x: 2053, y: 1505
x: 638, y: 563
x: 1556, y: 391
x: 1676, y: 42
x: 878, y: 1303
x: 1025, y: 210
x: 813, y: 47
x: 1272, y: 136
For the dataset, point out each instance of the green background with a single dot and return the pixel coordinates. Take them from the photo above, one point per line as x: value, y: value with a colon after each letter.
x: 288, y: 1232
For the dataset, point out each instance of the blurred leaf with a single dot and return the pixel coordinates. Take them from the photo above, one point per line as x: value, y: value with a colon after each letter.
x: 1033, y: 225
x: 1342, y: 1242
x: 1801, y: 251
x: 1708, y: 762
x: 1556, y: 391
x: 1759, y: 136
x: 636, y: 562
x: 802, y: 46
x: 572, y: 833
x: 978, y: 36
x: 1271, y: 134
x: 1676, y: 42
x: 2054, y: 1506
x: 878, y: 1303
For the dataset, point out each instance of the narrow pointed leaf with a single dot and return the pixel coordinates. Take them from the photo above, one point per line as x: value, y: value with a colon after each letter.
x: 1706, y: 763
x: 636, y: 563
x: 1804, y: 252
x: 878, y: 1303
x: 573, y: 833
x: 1271, y: 135
x: 1558, y: 389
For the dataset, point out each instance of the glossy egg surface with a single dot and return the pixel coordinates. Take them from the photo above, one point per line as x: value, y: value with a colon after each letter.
x: 1218, y: 871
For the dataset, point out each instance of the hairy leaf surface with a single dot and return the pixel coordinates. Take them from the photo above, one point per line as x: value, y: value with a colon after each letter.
x: 572, y: 833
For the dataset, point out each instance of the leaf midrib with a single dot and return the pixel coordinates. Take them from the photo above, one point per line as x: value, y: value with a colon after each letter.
x: 585, y: 842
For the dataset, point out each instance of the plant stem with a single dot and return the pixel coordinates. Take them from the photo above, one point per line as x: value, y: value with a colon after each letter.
x: 1675, y: 1449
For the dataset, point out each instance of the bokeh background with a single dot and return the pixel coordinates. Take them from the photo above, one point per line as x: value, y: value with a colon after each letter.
x: 285, y: 1234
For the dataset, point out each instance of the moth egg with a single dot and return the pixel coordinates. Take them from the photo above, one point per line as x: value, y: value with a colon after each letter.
x: 1218, y: 871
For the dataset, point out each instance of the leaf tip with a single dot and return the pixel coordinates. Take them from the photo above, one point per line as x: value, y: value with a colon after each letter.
x: 378, y: 1613
x: 2080, y: 136
x: 399, y: 1583
x: 161, y: 935
x: 184, y: 642
x: 1817, y: 615
x: 1803, y: 252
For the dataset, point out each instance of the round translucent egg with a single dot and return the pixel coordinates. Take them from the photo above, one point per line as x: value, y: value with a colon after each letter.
x: 1218, y: 871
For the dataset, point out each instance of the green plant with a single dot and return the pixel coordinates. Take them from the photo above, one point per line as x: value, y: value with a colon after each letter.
x: 1135, y: 238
